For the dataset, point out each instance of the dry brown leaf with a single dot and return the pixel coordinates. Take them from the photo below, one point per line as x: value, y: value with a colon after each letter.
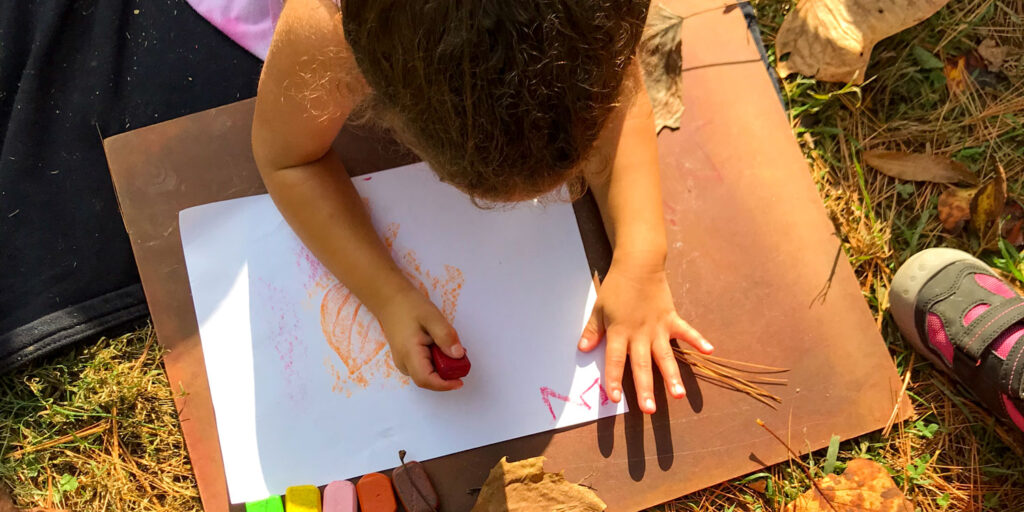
x: 1013, y: 223
x: 759, y: 486
x: 865, y: 486
x: 832, y: 40
x: 919, y: 167
x: 955, y: 208
x: 524, y: 486
x: 957, y: 76
x: 661, y: 57
x: 993, y: 54
x: 987, y: 207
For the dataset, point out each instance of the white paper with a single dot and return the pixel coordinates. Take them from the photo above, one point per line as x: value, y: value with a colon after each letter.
x: 302, y: 381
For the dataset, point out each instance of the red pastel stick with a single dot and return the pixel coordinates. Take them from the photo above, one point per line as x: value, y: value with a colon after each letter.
x: 448, y: 368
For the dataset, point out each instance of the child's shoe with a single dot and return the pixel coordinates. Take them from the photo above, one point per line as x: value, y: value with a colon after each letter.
x: 953, y: 309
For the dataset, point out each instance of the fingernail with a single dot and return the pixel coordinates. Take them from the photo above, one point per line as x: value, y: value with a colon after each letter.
x: 649, y: 404
x: 678, y: 389
x: 457, y: 351
x: 705, y: 345
x: 582, y: 343
x: 616, y: 395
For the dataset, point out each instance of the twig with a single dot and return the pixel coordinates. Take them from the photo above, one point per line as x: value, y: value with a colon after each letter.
x: 133, y: 468
x: 145, y: 352
x: 797, y: 457
x: 115, y: 448
x: 87, y: 431
x: 823, y: 292
x: 899, y: 398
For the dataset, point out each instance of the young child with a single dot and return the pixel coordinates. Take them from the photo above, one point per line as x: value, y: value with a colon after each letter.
x: 506, y: 100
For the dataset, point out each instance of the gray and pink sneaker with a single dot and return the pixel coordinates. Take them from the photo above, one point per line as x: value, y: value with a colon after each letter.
x: 953, y: 309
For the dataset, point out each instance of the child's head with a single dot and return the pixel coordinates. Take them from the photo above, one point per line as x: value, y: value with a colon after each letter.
x: 504, y: 98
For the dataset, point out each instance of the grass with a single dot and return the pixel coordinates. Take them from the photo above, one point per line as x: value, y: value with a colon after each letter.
x: 953, y: 455
x: 96, y: 429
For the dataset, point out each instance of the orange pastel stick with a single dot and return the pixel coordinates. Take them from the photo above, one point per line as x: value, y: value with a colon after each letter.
x: 375, y: 493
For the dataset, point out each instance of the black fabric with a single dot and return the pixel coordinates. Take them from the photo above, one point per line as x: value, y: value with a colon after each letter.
x: 72, y: 72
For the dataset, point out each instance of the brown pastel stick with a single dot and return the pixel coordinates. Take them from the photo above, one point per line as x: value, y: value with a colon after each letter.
x: 375, y: 494
x: 414, y: 488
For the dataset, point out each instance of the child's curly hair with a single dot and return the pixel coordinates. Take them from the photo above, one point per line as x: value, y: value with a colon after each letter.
x: 503, y: 98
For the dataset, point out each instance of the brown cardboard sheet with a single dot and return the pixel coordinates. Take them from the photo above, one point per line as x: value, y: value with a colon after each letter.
x: 751, y: 248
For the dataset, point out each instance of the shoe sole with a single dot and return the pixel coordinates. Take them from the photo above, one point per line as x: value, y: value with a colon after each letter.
x: 907, y: 283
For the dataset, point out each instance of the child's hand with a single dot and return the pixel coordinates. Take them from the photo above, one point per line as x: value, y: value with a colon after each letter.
x: 634, y: 309
x: 411, y: 323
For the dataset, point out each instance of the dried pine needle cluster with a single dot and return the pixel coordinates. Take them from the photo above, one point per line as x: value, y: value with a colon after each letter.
x: 747, y: 378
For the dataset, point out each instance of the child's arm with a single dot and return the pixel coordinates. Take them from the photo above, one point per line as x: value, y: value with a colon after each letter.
x: 634, y: 308
x: 303, y: 100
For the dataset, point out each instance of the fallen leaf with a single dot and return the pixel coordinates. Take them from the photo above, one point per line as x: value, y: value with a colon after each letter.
x: 1013, y: 223
x: 993, y: 54
x: 919, y: 167
x: 661, y: 57
x: 955, y: 208
x: 957, y: 76
x: 524, y: 486
x: 926, y: 59
x: 865, y: 486
x: 979, y: 72
x: 759, y: 486
x: 987, y: 207
x: 831, y: 40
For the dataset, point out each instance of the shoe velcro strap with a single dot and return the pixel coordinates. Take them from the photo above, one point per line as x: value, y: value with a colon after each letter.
x: 984, y: 329
x: 1011, y: 377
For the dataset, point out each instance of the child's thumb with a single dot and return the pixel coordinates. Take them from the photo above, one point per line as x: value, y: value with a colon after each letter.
x: 592, y: 332
x: 444, y: 335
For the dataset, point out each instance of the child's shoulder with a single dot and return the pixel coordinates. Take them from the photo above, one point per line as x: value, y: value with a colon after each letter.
x: 310, y: 53
x: 309, y: 85
x: 309, y: 23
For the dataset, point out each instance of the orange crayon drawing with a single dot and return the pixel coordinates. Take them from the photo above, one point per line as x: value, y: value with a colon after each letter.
x: 357, y: 337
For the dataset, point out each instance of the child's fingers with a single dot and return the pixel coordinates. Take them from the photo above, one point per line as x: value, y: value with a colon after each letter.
x: 643, y: 379
x: 666, y: 359
x: 614, y: 364
x: 593, y: 331
x: 681, y: 330
x: 421, y: 371
x: 399, y: 365
x: 443, y: 334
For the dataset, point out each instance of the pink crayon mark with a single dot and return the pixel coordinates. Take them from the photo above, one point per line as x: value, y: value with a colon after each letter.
x: 546, y: 394
x: 603, y: 396
x: 368, y: 178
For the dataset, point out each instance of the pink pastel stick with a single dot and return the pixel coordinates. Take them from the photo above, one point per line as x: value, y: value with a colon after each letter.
x: 340, y: 496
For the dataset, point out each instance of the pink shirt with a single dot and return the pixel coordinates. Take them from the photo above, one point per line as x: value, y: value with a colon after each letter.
x: 249, y: 23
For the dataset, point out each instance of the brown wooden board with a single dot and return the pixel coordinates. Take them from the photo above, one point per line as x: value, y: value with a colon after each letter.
x: 751, y: 250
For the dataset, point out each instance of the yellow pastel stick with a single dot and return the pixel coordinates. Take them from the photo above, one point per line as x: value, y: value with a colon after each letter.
x: 302, y: 498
